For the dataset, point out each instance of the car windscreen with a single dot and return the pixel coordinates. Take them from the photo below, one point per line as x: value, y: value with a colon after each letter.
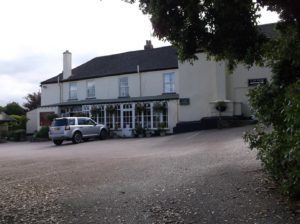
x: 60, y: 122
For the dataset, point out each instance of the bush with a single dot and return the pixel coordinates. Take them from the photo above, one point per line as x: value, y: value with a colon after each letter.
x: 42, y: 133
x: 52, y: 116
x: 17, y: 135
x: 277, y: 137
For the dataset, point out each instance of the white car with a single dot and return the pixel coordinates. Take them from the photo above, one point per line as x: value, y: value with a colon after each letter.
x: 76, y: 129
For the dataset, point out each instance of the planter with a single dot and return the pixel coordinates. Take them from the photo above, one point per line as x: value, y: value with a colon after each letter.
x: 162, y: 133
x: 148, y: 134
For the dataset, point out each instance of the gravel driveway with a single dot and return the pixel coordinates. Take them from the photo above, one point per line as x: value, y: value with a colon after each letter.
x: 199, y: 177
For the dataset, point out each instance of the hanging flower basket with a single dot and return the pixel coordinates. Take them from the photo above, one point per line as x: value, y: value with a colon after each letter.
x: 94, y: 110
x: 159, y: 107
x: 221, y: 106
x: 139, y: 107
x: 110, y: 109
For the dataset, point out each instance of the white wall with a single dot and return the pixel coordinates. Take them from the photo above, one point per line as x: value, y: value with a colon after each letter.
x: 197, y: 82
x: 108, y: 87
x: 32, y: 121
x: 172, y: 114
x: 50, y: 94
x: 152, y: 82
x: 237, y: 84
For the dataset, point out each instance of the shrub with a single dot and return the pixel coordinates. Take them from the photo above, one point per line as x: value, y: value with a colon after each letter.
x: 52, y: 116
x: 277, y: 137
x: 17, y: 135
x: 18, y: 123
x: 42, y: 133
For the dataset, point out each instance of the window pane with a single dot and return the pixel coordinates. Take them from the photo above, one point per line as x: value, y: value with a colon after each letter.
x: 169, y: 82
x: 90, y: 89
x: 73, y: 90
x: 123, y: 87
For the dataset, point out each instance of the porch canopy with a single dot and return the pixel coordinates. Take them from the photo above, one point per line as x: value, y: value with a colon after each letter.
x: 167, y: 96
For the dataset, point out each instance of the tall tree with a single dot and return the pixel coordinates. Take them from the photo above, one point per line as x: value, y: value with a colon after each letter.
x: 33, y: 101
x: 228, y: 30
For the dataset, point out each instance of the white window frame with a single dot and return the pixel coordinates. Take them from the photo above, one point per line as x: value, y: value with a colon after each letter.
x: 90, y: 89
x: 169, y: 83
x: 73, y: 92
x: 123, y: 87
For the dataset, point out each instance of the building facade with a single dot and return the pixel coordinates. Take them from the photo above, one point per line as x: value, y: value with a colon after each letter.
x: 150, y: 88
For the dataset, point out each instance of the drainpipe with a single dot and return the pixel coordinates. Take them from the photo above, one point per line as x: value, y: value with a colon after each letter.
x: 60, y: 91
x: 140, y: 78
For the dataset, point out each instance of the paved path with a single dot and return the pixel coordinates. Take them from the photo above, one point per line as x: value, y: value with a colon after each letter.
x: 199, y: 177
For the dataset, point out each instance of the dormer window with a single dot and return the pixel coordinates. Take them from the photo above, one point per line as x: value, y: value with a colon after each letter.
x: 123, y: 87
x: 73, y: 91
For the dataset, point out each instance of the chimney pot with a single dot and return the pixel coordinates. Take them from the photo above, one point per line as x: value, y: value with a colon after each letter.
x: 148, y: 45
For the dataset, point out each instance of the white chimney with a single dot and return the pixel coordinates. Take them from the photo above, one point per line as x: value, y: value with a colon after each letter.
x: 67, y: 63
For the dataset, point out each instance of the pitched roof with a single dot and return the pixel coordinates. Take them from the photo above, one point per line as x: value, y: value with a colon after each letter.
x: 125, y: 63
x: 5, y: 118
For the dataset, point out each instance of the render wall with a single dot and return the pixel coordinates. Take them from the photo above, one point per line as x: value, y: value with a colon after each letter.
x: 50, y: 94
x: 197, y: 82
x: 108, y: 87
x: 237, y: 84
x: 33, y: 123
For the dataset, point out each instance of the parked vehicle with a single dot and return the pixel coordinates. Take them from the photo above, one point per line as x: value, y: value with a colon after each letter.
x: 76, y: 129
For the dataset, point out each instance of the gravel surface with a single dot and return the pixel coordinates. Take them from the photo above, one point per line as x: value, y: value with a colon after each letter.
x: 198, y: 177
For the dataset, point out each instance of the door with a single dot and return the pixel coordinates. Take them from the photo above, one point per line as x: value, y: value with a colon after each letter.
x: 127, y: 114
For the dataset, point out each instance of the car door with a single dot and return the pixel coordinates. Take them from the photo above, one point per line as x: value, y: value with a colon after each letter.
x: 93, y: 128
x: 83, y: 126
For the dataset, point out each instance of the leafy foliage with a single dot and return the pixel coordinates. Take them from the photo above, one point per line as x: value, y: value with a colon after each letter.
x: 14, y: 108
x: 277, y: 107
x: 42, y: 133
x: 17, y: 128
x: 52, y: 116
x: 18, y: 123
x: 277, y: 138
x: 33, y: 101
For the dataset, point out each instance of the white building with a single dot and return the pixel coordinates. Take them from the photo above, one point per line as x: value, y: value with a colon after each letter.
x: 149, y: 87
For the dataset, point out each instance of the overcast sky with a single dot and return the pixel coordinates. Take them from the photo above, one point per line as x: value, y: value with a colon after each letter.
x: 35, y: 33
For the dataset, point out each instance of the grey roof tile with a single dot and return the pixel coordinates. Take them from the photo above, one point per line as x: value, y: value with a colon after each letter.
x: 125, y: 63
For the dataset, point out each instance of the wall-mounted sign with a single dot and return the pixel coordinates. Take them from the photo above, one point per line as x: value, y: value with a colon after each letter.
x: 255, y: 82
x: 184, y: 101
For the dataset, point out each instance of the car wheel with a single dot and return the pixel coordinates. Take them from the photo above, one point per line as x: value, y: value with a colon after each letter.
x: 57, y: 142
x: 77, y: 138
x: 103, y: 134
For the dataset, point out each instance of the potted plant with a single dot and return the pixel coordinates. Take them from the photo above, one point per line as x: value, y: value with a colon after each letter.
x: 162, y: 128
x: 148, y: 132
x: 221, y: 106
x: 139, y: 131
